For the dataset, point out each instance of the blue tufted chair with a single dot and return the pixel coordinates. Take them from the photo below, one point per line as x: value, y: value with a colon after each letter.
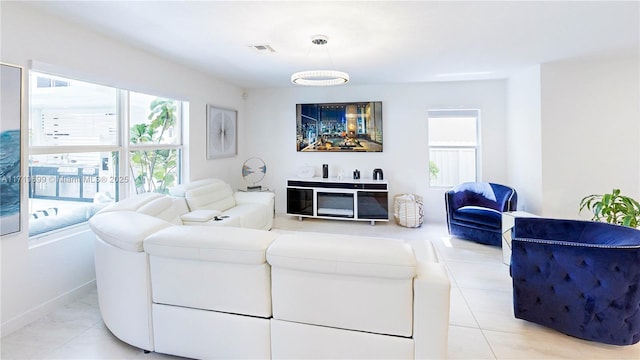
x: 579, y: 277
x: 474, y: 210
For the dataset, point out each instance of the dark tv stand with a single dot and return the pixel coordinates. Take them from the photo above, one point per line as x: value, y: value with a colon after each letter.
x: 360, y: 200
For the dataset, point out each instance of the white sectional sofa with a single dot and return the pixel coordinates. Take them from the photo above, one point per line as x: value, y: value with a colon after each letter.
x: 212, y: 201
x: 230, y: 292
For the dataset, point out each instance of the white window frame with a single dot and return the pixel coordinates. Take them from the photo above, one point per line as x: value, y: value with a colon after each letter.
x: 122, y: 148
x: 127, y: 146
x: 455, y: 113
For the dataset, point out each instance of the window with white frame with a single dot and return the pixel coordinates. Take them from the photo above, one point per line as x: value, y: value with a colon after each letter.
x: 82, y: 151
x: 453, y: 146
x: 154, y: 143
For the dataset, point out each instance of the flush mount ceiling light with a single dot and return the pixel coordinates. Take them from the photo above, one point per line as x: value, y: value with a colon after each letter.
x: 320, y: 77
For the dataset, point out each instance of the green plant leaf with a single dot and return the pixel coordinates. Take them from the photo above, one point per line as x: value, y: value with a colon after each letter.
x: 613, y: 208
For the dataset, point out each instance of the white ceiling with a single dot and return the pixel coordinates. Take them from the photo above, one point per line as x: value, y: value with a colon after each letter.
x: 376, y: 42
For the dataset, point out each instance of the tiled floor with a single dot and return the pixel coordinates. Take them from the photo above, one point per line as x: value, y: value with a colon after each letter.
x: 482, y: 325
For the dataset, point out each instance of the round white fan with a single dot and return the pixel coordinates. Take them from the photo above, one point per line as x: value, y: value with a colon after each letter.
x: 253, y: 171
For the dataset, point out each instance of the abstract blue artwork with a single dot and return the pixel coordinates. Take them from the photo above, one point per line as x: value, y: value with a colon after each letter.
x: 10, y: 179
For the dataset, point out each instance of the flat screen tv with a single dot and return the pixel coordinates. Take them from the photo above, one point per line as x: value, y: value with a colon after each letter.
x: 339, y: 127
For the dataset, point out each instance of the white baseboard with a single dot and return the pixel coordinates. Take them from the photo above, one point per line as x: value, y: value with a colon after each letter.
x: 43, y: 309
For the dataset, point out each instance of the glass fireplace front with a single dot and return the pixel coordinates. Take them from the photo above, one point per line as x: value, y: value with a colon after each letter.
x: 335, y: 204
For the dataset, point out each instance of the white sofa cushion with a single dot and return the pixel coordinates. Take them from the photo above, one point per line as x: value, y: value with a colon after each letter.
x: 220, y: 269
x: 224, y: 244
x: 126, y: 229
x: 345, y: 282
x: 181, y: 190
x: 166, y: 208
x: 262, y: 202
x: 251, y: 197
x: 157, y: 205
x: 132, y: 203
x: 348, y: 255
x: 251, y: 216
x: 213, y: 196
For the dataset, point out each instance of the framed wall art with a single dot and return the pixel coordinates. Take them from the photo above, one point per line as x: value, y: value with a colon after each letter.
x: 10, y: 177
x: 221, y: 132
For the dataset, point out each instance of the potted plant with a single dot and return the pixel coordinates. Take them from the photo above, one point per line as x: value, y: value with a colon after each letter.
x: 613, y: 208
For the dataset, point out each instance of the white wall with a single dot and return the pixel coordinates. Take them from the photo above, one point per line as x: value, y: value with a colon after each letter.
x: 270, y: 133
x: 524, y: 159
x: 590, y: 131
x: 34, y: 278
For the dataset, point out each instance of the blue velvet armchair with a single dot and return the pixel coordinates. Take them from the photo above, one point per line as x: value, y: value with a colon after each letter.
x: 474, y: 210
x: 581, y: 278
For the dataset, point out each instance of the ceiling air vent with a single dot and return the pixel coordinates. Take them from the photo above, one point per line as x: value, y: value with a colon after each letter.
x: 263, y: 48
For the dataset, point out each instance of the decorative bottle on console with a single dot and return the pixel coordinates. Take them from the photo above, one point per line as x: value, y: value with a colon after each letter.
x: 325, y: 171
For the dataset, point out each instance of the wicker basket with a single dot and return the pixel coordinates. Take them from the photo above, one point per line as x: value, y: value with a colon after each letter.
x: 407, y: 210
